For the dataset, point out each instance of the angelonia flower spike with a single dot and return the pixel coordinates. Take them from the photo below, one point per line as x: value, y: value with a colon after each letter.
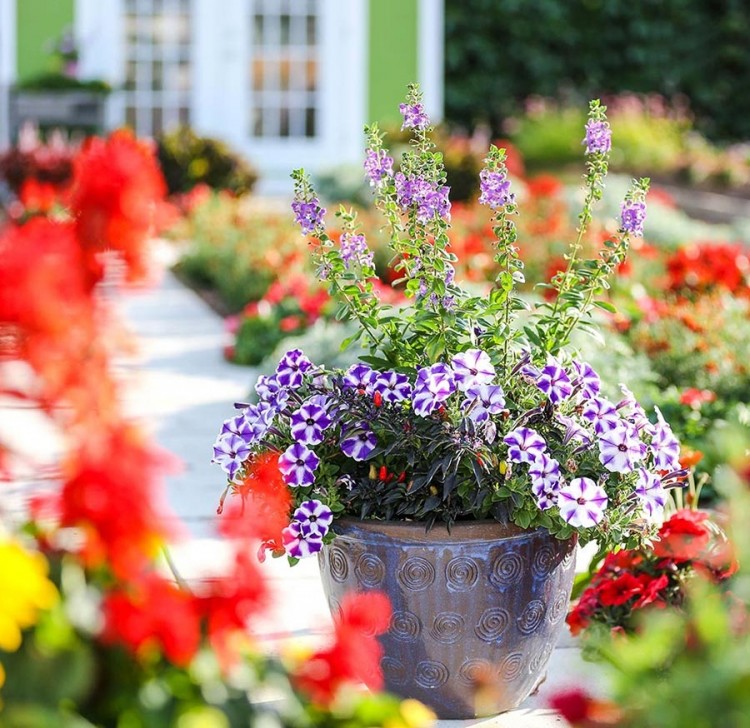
x: 466, y: 404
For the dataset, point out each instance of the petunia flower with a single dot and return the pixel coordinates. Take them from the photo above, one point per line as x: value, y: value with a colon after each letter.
x: 230, y: 451
x: 602, y: 413
x: 634, y: 412
x: 298, y: 465
x: 483, y: 400
x: 544, y: 472
x: 434, y: 385
x: 620, y: 449
x: 392, y: 386
x: 291, y: 369
x: 314, y: 516
x: 553, y: 380
x: 582, y: 503
x: 585, y: 379
x: 359, y: 443
x: 650, y: 492
x: 472, y: 367
x: 574, y: 431
x: 269, y: 390
x: 308, y: 424
x: 301, y: 541
x: 665, y: 447
x: 360, y: 377
x: 524, y: 445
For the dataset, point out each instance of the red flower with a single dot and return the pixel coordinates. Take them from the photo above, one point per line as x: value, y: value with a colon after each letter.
x: 153, y: 613
x: 355, y: 654
x: 290, y: 323
x: 614, y: 592
x: 38, y: 196
x: 651, y: 589
x: 110, y: 493
x: 581, y: 709
x: 683, y: 537
x: 544, y: 185
x: 694, y: 398
x: 116, y: 189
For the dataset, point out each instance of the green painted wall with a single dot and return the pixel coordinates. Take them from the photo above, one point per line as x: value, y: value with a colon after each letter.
x: 393, y: 57
x: 40, y: 24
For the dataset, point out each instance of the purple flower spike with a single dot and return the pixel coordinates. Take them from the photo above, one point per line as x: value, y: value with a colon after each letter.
x: 472, y: 367
x: 393, y: 387
x: 651, y: 493
x: 483, y: 400
x: 309, y: 215
x: 431, y: 199
x: 554, y: 382
x: 434, y: 385
x: 495, y: 189
x: 359, y: 443
x: 230, y: 451
x: 414, y: 116
x: 378, y: 166
x: 300, y: 541
x: 314, y: 516
x: 298, y: 465
x: 633, y: 216
x: 665, y: 447
x: 360, y: 377
x: 598, y: 139
x: 291, y: 369
x: 524, y: 445
x: 354, y: 251
x: 308, y: 424
x: 582, y: 503
x: 544, y: 472
x: 585, y: 379
x: 620, y: 449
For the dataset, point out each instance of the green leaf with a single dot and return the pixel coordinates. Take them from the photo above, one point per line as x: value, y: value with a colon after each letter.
x: 606, y: 306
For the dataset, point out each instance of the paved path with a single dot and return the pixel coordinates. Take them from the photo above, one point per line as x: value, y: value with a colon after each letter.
x: 182, y: 389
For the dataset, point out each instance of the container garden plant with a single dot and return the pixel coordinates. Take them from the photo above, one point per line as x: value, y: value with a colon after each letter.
x: 456, y: 465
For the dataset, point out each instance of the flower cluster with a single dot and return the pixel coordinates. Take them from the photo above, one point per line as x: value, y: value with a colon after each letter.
x: 709, y: 267
x: 629, y: 581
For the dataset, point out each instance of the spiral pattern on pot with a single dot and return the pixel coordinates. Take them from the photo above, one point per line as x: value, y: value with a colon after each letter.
x: 558, y: 609
x: 338, y: 564
x: 544, y: 560
x: 447, y: 627
x: 507, y: 569
x: 532, y: 616
x: 394, y: 671
x: 405, y: 626
x: 431, y: 674
x: 474, y: 669
x: 540, y: 660
x: 461, y: 573
x: 370, y: 570
x: 492, y: 624
x: 416, y: 574
x: 512, y: 666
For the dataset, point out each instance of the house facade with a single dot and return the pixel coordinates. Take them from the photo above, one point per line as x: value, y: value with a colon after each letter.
x: 287, y: 82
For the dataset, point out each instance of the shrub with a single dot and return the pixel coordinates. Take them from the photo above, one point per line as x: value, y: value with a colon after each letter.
x: 188, y: 159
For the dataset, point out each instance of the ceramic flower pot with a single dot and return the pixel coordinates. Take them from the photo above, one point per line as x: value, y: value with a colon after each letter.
x: 476, y: 612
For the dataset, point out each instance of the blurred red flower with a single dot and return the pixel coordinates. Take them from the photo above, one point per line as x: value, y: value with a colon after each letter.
x: 684, y: 536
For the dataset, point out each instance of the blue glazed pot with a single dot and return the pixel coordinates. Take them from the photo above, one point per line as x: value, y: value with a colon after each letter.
x: 476, y: 612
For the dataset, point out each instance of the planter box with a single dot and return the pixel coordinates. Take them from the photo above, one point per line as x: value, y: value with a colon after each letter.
x: 76, y: 111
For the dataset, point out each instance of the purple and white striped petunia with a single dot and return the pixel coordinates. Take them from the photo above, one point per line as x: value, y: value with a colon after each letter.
x: 483, y: 400
x: 524, y: 445
x: 360, y: 377
x: 650, y: 492
x: 269, y: 390
x: 602, y: 413
x: 574, y: 431
x: 633, y: 412
x: 308, y: 424
x: 553, y: 380
x: 544, y: 472
x: 298, y: 465
x: 585, y: 379
x: 291, y: 369
x: 392, y: 386
x: 434, y: 385
x: 239, y: 426
x: 359, y: 442
x: 300, y: 540
x: 582, y: 503
x: 665, y: 447
x: 314, y: 516
x: 620, y: 449
x: 230, y: 451
x: 546, y: 497
x: 472, y: 367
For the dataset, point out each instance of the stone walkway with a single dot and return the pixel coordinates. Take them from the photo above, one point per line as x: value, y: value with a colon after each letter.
x: 181, y: 388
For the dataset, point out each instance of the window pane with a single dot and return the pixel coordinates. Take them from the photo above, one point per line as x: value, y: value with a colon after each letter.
x: 310, y: 117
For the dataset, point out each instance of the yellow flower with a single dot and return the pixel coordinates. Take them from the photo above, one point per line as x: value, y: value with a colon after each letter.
x: 24, y: 591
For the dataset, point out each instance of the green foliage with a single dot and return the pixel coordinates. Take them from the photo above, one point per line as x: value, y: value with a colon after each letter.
x: 60, y: 82
x: 188, y: 159
x: 497, y: 54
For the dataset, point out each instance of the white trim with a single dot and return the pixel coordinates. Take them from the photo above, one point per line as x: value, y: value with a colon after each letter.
x: 431, y: 39
x: 7, y: 64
